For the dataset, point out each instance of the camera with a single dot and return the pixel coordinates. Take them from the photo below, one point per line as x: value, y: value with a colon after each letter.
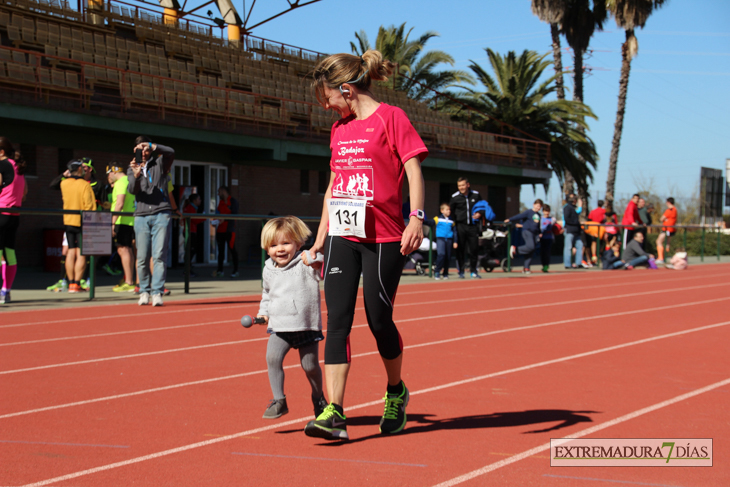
x: 138, y: 156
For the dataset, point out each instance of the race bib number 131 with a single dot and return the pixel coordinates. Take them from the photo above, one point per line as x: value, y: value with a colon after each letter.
x: 347, y: 217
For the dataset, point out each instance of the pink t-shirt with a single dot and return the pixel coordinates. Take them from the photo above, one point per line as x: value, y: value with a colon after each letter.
x: 12, y: 195
x: 368, y: 158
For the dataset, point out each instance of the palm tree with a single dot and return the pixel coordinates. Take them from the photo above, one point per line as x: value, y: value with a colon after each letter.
x: 551, y: 11
x: 419, y: 67
x: 580, y: 20
x: 629, y: 14
x: 516, y: 96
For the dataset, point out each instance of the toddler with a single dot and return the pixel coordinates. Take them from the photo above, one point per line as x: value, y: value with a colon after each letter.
x: 290, y: 304
x: 445, y: 240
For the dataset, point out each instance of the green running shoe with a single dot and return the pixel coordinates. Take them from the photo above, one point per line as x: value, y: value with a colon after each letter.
x: 394, y: 416
x: 329, y: 425
x: 84, y: 284
x: 55, y: 287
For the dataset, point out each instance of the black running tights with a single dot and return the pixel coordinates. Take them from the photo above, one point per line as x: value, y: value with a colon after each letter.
x: 381, y: 266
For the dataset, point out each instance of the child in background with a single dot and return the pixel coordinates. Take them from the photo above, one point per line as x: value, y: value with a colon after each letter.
x: 679, y: 261
x: 611, y: 258
x: 530, y: 222
x: 546, y: 237
x: 611, y: 234
x: 290, y: 304
x: 446, y: 239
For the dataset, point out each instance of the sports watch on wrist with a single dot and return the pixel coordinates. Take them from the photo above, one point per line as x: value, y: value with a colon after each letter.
x: 418, y: 214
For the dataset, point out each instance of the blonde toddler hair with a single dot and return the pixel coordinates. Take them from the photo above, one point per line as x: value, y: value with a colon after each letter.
x: 290, y: 226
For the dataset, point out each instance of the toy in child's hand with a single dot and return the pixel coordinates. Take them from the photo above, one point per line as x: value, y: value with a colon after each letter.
x: 247, y: 321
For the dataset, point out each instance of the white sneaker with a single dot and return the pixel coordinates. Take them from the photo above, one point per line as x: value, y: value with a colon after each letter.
x: 157, y: 300
x: 144, y: 299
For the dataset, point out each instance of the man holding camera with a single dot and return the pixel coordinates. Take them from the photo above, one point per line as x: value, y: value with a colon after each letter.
x: 149, y: 174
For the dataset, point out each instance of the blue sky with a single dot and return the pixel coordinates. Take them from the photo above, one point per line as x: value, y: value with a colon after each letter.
x: 678, y: 108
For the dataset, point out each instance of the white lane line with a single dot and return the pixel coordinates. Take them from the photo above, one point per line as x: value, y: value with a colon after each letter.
x: 242, y: 305
x: 128, y: 332
x: 431, y: 317
x: 420, y: 303
x: 149, y: 315
x: 542, y: 291
x: 524, y: 281
x: 539, y: 449
x: 364, y: 354
x: 136, y: 355
x: 422, y: 391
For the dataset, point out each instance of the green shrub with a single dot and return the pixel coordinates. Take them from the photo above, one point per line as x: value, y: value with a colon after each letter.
x: 694, y: 242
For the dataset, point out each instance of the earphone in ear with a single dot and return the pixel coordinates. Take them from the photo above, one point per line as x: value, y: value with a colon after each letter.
x: 345, y: 91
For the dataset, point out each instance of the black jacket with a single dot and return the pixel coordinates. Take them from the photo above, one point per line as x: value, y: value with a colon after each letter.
x: 572, y: 222
x: 461, y: 206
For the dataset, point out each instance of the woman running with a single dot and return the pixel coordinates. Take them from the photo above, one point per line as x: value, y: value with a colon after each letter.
x: 373, y: 147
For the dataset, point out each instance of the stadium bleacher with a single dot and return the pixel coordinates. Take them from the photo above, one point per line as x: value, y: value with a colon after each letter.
x: 131, y: 61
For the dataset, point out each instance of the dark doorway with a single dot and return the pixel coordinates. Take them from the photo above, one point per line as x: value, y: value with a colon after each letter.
x: 498, y: 201
x: 445, y: 192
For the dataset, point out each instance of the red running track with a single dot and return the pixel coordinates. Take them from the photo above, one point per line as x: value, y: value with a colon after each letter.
x: 121, y: 395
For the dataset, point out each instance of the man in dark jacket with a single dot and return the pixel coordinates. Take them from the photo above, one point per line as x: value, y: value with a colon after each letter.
x: 148, y: 182
x: 572, y: 234
x: 467, y: 229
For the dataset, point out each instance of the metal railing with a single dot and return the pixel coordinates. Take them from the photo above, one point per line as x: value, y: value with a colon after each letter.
x: 187, y: 219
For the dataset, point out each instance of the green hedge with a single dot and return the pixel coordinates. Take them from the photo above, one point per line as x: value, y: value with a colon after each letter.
x: 694, y: 242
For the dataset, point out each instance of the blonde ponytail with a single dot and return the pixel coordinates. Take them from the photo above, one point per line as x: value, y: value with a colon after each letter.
x: 337, y: 69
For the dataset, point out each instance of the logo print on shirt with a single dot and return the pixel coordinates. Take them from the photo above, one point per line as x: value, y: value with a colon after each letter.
x: 335, y: 270
x: 371, y: 129
x: 357, y: 184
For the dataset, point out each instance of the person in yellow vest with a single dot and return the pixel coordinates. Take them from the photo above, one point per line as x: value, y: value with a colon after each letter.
x: 77, y: 195
x: 123, y: 229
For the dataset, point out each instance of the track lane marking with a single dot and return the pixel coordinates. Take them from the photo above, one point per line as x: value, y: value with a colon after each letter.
x: 431, y: 317
x: 420, y: 303
x: 621, y: 419
x: 437, y: 290
x: 449, y: 385
x: 364, y: 354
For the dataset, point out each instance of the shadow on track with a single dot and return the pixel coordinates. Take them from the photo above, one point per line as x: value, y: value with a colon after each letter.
x: 422, y: 423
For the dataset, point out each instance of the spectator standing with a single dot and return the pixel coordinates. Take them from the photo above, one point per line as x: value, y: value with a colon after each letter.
x: 630, y: 219
x: 12, y: 195
x: 547, y: 237
x: 572, y: 234
x: 446, y: 239
x: 467, y: 230
x: 530, y: 220
x: 123, y: 227
x: 225, y: 235
x: 77, y: 195
x: 595, y: 233
x: 645, y: 215
x: 7, y: 171
x: 148, y: 182
x: 669, y: 219
x: 192, y: 205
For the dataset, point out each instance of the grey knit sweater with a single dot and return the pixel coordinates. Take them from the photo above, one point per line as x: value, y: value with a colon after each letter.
x: 290, y: 297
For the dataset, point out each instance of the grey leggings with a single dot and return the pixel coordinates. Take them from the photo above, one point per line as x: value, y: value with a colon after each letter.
x: 277, y: 349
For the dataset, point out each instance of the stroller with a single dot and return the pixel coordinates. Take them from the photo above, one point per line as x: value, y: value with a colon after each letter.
x: 418, y: 260
x: 493, y: 248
